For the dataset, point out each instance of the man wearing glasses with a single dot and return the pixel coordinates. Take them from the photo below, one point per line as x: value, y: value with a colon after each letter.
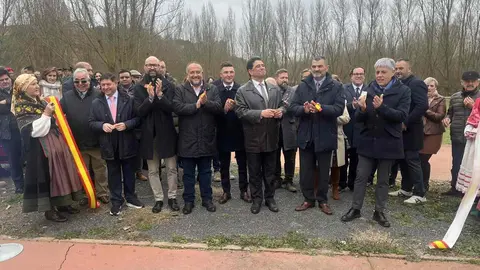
x: 76, y: 105
x: 69, y: 85
x: 158, y: 140
x: 353, y: 92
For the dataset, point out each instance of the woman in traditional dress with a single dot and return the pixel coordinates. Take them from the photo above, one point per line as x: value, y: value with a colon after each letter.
x: 51, y: 179
x: 433, y: 128
x: 49, y: 84
x: 466, y: 169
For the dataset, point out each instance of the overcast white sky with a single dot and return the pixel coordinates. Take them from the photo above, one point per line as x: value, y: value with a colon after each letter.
x: 221, y: 6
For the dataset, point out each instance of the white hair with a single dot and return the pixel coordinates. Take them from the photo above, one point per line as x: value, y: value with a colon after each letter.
x: 80, y: 70
x: 386, y: 63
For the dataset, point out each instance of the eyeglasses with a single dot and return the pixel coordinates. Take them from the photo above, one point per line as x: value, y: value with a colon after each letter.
x: 358, y: 74
x: 152, y: 65
x: 82, y: 82
x: 4, y: 80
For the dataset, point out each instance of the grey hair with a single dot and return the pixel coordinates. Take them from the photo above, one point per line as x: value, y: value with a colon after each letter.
x: 80, y: 70
x: 386, y: 63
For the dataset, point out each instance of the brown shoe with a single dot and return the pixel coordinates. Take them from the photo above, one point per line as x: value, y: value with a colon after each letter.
x: 141, y: 177
x: 246, y: 197
x: 304, y: 206
x: 225, y: 198
x: 104, y: 199
x: 325, y: 209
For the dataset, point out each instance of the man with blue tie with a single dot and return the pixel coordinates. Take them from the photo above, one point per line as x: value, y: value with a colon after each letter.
x: 317, y: 102
x: 113, y: 119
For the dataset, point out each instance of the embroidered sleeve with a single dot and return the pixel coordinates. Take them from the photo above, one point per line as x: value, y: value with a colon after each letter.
x: 41, y: 126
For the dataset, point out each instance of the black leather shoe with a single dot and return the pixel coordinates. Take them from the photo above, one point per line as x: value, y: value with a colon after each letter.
x: 225, y: 198
x: 157, y: 208
x: 210, y: 206
x: 272, y: 205
x: 255, y: 209
x: 187, y: 208
x: 172, y: 203
x: 351, y: 215
x: 68, y: 209
x: 55, y: 216
x: 381, y: 219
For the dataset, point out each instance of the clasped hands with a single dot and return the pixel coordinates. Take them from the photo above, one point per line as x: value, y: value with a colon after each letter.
x: 229, y: 105
x: 109, y: 128
x: 201, y: 100
x: 272, y: 113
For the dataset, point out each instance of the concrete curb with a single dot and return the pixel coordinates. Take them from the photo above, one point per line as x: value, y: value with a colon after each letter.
x: 201, y: 246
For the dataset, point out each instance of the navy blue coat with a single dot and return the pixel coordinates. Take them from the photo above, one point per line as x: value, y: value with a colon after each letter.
x: 229, y: 128
x: 380, y: 130
x: 413, y: 136
x: 124, y: 144
x: 319, y: 128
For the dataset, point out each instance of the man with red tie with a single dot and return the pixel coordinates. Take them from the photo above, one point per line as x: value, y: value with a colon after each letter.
x: 113, y: 119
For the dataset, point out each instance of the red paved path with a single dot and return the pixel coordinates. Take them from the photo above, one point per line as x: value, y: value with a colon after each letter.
x: 70, y: 256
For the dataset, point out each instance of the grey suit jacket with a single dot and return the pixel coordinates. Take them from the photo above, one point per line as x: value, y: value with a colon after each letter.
x: 261, y: 134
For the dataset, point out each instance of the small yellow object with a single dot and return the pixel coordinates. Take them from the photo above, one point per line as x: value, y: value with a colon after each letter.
x: 203, y: 94
x: 318, y: 107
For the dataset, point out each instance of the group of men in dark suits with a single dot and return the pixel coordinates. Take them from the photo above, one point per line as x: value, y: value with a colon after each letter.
x: 256, y: 121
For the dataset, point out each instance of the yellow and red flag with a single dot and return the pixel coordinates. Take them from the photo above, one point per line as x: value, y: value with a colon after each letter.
x: 77, y: 157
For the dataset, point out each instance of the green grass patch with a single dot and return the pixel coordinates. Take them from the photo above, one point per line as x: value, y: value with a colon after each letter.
x: 101, y: 233
x: 370, y: 241
x: 179, y: 239
x: 15, y: 199
x: 70, y: 235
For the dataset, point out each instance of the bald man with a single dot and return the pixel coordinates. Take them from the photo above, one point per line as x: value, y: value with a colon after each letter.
x: 197, y: 103
x: 68, y: 84
x: 153, y: 99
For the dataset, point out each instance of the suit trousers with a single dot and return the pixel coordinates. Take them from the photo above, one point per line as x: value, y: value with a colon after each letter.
x: 309, y: 161
x: 225, y: 160
x: 99, y: 168
x: 261, y: 169
x: 204, y: 165
x: 412, y: 175
x: 116, y: 169
x: 364, y: 171
x: 155, y: 175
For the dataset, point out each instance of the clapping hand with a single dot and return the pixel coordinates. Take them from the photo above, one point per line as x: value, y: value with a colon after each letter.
x: 377, y: 101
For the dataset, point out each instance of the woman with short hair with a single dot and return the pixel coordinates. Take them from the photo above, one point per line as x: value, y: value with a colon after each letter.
x: 433, y: 128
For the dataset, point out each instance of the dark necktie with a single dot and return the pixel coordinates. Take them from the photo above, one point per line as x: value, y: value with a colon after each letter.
x: 357, y: 90
x: 228, y: 88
